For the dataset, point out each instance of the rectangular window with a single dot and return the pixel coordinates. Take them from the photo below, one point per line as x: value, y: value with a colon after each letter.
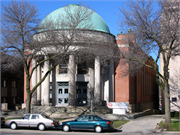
x: 14, y: 100
x: 131, y: 90
x: 174, y: 99
x: 13, y: 84
x: 60, y: 91
x: 4, y: 83
x: 35, y: 117
x: 66, y: 100
x: 3, y: 100
x: 60, y: 100
x: 78, y: 91
x: 82, y: 68
x: 84, y: 91
x: 63, y: 69
x: 66, y: 91
x: 50, y: 92
x: 50, y: 100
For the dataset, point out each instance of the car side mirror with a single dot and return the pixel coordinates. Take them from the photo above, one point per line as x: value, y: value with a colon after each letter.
x: 22, y: 117
x: 75, y: 120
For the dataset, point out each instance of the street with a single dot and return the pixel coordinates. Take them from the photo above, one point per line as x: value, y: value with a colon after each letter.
x: 141, y: 126
x: 8, y: 131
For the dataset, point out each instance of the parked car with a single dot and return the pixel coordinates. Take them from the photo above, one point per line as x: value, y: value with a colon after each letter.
x: 2, y: 120
x: 87, y: 122
x: 41, y: 121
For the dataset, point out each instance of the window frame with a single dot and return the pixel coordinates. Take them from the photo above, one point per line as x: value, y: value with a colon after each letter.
x: 63, y: 68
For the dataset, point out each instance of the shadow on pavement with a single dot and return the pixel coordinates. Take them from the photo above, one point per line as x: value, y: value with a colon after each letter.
x: 56, y: 129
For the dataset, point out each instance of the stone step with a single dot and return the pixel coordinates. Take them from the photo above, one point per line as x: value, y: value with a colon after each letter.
x: 64, y: 111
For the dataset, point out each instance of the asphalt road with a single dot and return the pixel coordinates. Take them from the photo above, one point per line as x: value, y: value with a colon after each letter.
x: 7, y: 131
x: 142, y: 126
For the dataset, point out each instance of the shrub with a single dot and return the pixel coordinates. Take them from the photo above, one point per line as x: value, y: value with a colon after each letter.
x: 174, y: 114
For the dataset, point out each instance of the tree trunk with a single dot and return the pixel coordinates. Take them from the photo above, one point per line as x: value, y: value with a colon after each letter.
x: 167, y: 103
x: 28, y: 103
x: 28, y: 100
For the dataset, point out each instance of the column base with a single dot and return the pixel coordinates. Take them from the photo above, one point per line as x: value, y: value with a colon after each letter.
x: 47, y: 104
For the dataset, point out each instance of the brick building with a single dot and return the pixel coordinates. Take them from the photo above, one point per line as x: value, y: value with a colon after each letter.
x: 12, y: 89
x: 140, y: 89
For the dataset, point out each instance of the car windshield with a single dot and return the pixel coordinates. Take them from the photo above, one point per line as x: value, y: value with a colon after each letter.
x: 26, y: 116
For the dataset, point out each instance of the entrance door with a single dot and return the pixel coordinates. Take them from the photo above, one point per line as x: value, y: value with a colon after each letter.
x: 81, y: 93
x: 63, y: 93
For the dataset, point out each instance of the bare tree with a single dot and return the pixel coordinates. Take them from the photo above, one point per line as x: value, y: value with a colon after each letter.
x: 19, y: 21
x: 156, y: 27
x: 7, y: 63
x: 52, y: 40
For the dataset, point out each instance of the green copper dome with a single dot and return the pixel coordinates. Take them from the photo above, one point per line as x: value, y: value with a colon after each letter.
x: 60, y: 15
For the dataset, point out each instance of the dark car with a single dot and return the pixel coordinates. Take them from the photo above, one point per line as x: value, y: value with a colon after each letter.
x: 87, y: 122
x: 2, y: 120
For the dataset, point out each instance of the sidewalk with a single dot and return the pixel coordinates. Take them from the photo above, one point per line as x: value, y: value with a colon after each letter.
x: 145, y: 124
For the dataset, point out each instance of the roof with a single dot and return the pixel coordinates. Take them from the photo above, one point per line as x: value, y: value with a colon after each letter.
x: 57, y: 16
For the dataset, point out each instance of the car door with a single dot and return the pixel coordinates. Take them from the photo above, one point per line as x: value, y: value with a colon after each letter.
x: 34, y: 120
x: 81, y: 123
x: 92, y: 122
x: 24, y: 122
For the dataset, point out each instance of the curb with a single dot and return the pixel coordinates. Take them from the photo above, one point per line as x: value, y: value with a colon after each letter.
x: 120, y: 127
x: 171, y: 132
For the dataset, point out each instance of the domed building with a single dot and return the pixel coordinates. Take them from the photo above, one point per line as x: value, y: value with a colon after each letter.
x: 73, y: 83
x: 89, y: 70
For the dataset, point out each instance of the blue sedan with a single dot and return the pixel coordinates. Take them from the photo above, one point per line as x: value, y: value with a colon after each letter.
x: 87, y: 122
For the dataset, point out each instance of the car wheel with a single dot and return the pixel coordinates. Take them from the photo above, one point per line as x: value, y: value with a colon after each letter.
x: 13, y: 125
x: 66, y: 128
x: 98, y: 129
x: 41, y: 127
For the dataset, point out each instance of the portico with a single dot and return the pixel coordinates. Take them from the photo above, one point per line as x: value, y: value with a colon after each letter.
x: 73, y: 88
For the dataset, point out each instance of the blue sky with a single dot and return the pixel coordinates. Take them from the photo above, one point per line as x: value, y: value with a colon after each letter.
x: 105, y: 8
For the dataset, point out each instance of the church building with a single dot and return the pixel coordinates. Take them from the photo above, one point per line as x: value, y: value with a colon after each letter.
x: 80, y: 83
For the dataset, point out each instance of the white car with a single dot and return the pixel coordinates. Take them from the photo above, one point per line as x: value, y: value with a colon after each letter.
x: 41, y: 121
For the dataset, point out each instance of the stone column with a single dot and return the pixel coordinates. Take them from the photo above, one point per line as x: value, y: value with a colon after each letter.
x: 46, y: 83
x: 72, y: 84
x: 111, y: 81
x: 39, y: 87
x: 97, y: 81
x: 91, y: 86
x: 34, y: 82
